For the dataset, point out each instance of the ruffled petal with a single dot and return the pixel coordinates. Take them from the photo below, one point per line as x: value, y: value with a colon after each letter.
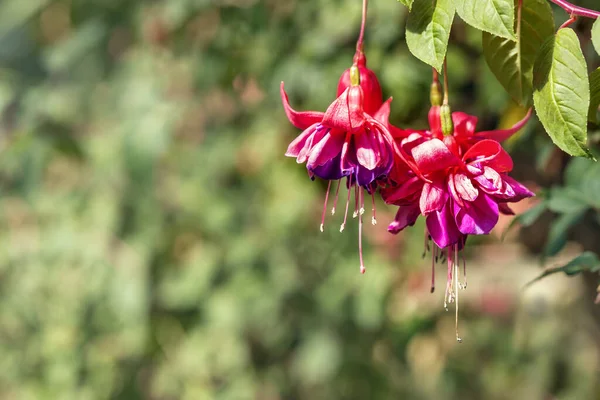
x: 300, y: 142
x: 327, y: 148
x: 300, y: 119
x: 464, y: 187
x: 433, y: 198
x: 477, y: 217
x: 489, y: 153
x: 433, y: 155
x: 406, y: 216
x: 520, y: 191
x: 404, y: 192
x: 367, y: 149
x: 442, y: 227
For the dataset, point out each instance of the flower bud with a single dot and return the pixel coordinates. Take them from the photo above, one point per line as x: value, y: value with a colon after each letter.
x: 446, y: 117
x: 373, y: 98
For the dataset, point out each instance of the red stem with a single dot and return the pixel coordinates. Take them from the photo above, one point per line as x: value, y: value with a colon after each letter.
x: 576, y: 10
x: 359, y: 43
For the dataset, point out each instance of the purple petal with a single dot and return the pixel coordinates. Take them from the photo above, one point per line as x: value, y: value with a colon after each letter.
x: 477, y: 217
x: 331, y: 170
x: 327, y: 148
x: 442, y: 227
x: 406, y: 216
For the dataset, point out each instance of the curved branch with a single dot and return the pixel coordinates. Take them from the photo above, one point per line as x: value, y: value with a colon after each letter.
x: 576, y: 10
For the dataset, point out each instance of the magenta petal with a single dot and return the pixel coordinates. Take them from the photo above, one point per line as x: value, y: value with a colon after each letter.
x: 433, y: 155
x: 327, y: 148
x: 300, y: 142
x: 442, y: 227
x: 406, y: 216
x: 477, y: 217
x: 403, y: 192
x: 464, y: 124
x: 433, y: 198
x: 367, y: 153
x: 520, y: 191
x: 300, y: 120
x: 464, y: 187
x: 505, y: 209
x: 489, y: 153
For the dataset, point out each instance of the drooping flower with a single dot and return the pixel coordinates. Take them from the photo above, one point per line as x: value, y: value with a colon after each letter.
x: 458, y: 182
x: 345, y: 140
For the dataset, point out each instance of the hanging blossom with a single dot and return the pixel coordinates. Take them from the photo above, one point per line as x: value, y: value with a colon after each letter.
x: 352, y: 139
x: 459, y: 182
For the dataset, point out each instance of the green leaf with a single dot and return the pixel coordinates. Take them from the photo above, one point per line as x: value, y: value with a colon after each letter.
x: 407, y: 3
x: 586, y: 261
x: 512, y: 61
x: 594, y: 96
x: 428, y: 30
x: 557, y: 237
x: 493, y: 16
x: 566, y: 200
x: 596, y: 35
x: 561, y: 93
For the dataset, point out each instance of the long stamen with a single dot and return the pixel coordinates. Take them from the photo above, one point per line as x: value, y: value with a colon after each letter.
x: 464, y: 271
x: 337, y: 191
x: 346, y: 213
x: 360, y: 222
x: 374, y: 217
x: 355, y: 214
x: 456, y: 284
x: 433, y: 271
x: 425, y: 243
x: 325, y: 207
x: 448, y: 296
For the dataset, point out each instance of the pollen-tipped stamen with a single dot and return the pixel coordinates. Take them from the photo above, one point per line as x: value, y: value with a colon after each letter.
x: 458, y: 338
x: 346, y: 213
x: 374, y: 217
x: 433, y: 272
x: 355, y: 213
x: 325, y: 207
x: 337, y: 191
x: 360, y: 223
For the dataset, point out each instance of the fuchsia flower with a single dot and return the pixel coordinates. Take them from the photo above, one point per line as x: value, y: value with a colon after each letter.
x: 351, y: 139
x: 463, y: 180
x: 459, y: 182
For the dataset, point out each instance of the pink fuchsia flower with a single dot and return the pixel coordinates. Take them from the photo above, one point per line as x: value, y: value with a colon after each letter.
x: 350, y: 139
x: 430, y: 180
x: 345, y: 140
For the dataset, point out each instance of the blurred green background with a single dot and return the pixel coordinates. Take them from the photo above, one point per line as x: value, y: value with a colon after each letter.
x: 157, y: 244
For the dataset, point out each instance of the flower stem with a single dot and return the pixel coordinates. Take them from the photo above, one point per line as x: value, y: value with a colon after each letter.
x: 359, y: 43
x: 445, y: 101
x: 576, y: 10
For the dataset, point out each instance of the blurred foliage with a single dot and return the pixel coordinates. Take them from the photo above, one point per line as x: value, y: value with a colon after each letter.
x: 157, y: 244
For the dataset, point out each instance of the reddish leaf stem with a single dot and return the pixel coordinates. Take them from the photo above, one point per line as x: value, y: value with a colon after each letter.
x: 576, y: 10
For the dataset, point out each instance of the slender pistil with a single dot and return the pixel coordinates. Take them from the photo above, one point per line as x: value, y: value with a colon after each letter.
x: 337, y: 191
x: 346, y: 213
x: 325, y: 207
x: 360, y: 224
